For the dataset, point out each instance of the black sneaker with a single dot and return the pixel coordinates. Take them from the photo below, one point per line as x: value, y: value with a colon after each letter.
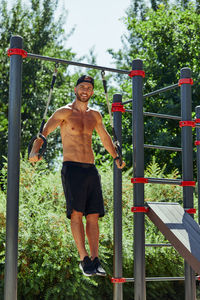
x: 98, y: 267
x: 87, y: 267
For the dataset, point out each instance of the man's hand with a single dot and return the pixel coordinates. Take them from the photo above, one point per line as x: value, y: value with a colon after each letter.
x: 117, y: 161
x: 33, y: 157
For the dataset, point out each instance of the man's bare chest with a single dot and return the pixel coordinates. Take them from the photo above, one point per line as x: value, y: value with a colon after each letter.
x: 78, y: 123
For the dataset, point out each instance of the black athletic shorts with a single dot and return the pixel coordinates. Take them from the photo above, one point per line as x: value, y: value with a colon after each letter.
x: 82, y: 188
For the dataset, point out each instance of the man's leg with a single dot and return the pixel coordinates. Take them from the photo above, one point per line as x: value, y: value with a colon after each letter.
x: 92, y: 231
x: 78, y: 233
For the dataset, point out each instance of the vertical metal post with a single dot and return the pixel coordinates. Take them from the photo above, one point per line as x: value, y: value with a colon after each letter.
x: 197, y: 109
x: 138, y: 171
x: 118, y: 287
x: 187, y: 163
x: 12, y: 212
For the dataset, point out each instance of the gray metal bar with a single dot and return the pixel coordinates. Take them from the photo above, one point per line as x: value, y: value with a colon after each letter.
x: 158, y: 245
x: 162, y: 147
x: 138, y: 171
x: 162, y: 116
x: 117, y: 287
x: 78, y: 64
x: 12, y: 212
x: 174, y: 86
x: 187, y: 165
x: 164, y: 181
x: 197, y: 110
x: 167, y: 88
x: 150, y: 279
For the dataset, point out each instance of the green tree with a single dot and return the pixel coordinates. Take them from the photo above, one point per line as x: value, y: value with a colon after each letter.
x: 167, y: 39
x: 42, y: 35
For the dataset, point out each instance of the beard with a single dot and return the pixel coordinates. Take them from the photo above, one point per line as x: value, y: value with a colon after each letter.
x: 81, y: 98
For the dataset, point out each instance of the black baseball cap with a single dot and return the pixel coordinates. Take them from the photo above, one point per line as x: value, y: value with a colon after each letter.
x: 85, y: 78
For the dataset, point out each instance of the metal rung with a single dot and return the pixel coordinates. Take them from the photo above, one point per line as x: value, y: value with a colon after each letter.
x: 167, y: 88
x: 165, y: 181
x: 162, y: 116
x: 162, y: 147
x: 158, y: 245
x: 149, y: 279
x: 156, y: 115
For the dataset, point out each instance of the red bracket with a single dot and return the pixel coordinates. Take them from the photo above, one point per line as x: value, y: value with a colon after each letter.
x: 188, y: 183
x: 185, y: 80
x: 139, y: 180
x: 118, y: 280
x: 197, y: 121
x: 187, y: 123
x: 137, y: 73
x: 16, y: 51
x: 197, y: 143
x: 191, y: 210
x: 117, y: 106
x: 139, y: 209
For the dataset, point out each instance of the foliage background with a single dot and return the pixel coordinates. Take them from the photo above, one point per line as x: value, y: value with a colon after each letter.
x: 165, y: 34
x: 48, y: 260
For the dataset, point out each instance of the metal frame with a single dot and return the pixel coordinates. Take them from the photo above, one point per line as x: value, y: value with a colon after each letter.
x: 138, y: 191
x: 138, y: 163
x: 12, y: 210
x: 117, y: 199
x: 10, y: 291
x: 197, y: 110
x: 12, y: 214
x: 187, y: 171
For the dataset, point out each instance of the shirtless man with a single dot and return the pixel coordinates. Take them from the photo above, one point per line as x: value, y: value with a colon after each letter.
x: 80, y: 178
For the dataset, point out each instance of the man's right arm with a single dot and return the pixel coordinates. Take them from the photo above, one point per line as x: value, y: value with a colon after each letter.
x: 54, y: 121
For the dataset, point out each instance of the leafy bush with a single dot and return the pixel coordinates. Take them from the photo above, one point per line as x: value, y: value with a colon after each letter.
x: 48, y: 259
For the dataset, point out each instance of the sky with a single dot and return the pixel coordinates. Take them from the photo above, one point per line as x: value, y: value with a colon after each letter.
x: 97, y: 25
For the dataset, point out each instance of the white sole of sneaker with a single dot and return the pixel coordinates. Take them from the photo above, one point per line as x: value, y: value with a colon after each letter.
x: 88, y: 275
x: 98, y: 274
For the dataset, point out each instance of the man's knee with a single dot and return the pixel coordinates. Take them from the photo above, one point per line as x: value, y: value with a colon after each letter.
x: 92, y: 218
x: 76, y: 216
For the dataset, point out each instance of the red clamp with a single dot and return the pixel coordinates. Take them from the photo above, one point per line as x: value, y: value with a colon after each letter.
x: 197, y: 121
x: 136, y: 73
x: 187, y: 123
x: 139, y: 209
x: 197, y: 143
x: 118, y: 280
x: 117, y: 106
x: 185, y: 80
x: 139, y: 180
x: 191, y: 210
x: 188, y: 183
x: 17, y: 51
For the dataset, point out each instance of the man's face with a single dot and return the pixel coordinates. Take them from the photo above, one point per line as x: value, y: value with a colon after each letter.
x: 84, y: 91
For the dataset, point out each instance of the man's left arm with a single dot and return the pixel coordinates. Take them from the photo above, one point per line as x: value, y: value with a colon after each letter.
x: 107, y: 141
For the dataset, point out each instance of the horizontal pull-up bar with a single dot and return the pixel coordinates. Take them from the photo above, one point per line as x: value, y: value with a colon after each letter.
x: 78, y: 64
